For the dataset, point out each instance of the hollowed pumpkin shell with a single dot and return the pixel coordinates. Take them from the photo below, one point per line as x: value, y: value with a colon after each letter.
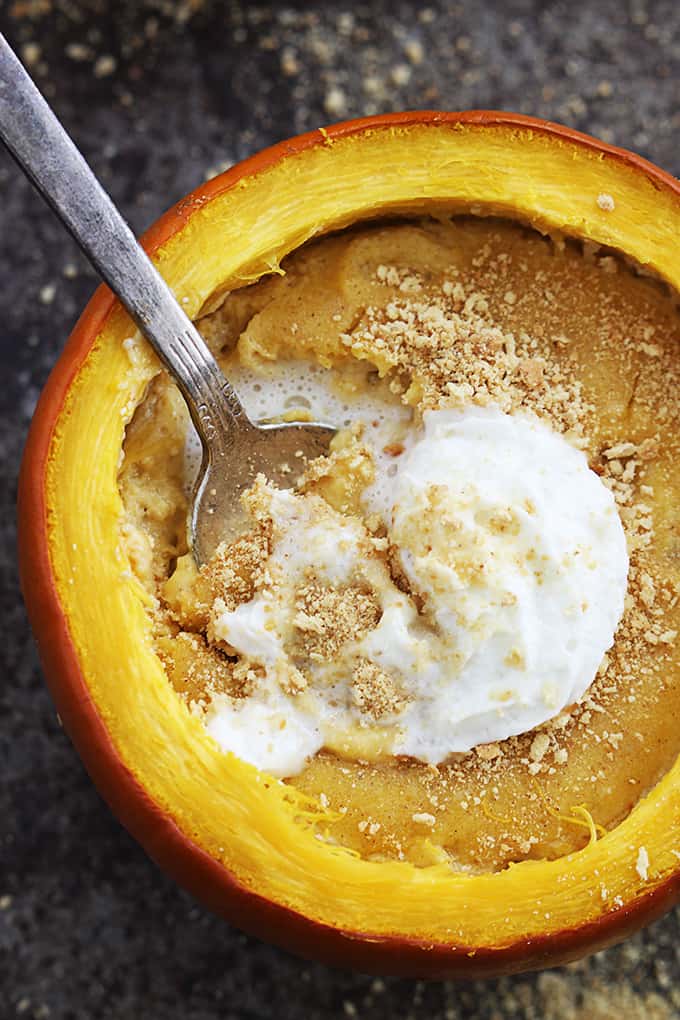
x: 234, y: 837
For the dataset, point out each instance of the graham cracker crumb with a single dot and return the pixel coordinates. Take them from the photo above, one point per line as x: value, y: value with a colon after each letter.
x: 327, y: 618
x: 375, y: 693
x: 487, y: 752
x: 531, y: 371
x: 424, y: 818
x: 539, y: 746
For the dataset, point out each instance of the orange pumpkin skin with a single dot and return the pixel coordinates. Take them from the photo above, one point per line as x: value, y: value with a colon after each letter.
x: 176, y: 853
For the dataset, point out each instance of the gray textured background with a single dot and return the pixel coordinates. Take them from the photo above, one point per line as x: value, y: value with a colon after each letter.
x: 160, y: 95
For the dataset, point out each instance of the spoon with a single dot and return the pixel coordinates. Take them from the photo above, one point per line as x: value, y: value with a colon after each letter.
x: 235, y: 449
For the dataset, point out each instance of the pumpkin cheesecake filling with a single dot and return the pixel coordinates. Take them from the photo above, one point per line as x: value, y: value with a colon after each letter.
x: 458, y: 630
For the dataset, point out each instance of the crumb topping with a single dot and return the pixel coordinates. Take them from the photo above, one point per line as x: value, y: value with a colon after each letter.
x: 375, y: 693
x: 448, y: 351
x: 327, y: 618
x: 237, y: 569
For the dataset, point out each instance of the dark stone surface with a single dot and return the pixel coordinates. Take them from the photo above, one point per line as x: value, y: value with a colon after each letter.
x: 159, y: 94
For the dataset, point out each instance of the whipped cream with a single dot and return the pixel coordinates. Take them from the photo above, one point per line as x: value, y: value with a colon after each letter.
x: 516, y: 561
x: 520, y: 553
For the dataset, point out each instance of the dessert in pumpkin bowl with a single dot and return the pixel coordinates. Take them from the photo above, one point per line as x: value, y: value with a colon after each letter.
x: 420, y: 717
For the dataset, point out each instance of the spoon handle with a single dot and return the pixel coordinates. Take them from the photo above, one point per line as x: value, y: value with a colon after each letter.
x: 41, y: 147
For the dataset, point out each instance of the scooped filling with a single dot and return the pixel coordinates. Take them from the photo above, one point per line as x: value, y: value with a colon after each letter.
x: 457, y: 631
x: 514, y: 561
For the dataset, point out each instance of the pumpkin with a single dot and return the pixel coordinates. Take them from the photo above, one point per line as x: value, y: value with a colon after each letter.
x: 238, y: 839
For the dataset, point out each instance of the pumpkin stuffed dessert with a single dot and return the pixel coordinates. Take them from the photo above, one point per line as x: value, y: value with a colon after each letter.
x: 420, y: 715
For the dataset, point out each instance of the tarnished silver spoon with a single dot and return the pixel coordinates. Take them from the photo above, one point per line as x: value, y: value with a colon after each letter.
x: 235, y: 449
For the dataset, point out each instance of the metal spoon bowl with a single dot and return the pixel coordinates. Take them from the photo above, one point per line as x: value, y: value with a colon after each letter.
x: 280, y: 452
x: 235, y: 449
